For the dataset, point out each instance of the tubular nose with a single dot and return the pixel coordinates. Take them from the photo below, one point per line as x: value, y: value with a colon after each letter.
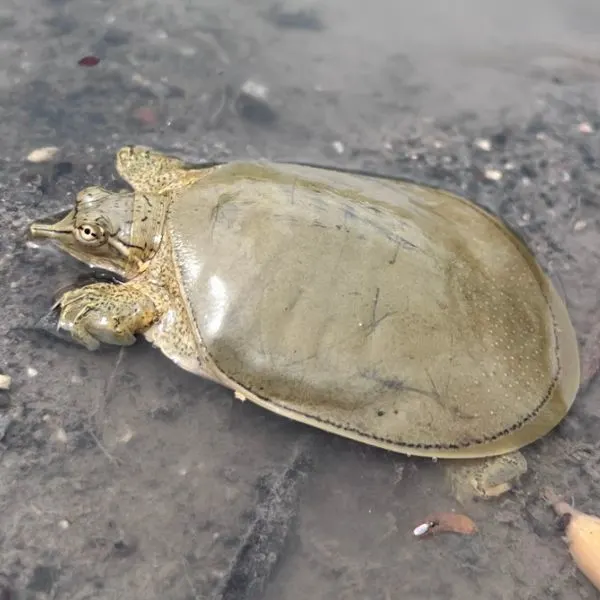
x: 46, y: 226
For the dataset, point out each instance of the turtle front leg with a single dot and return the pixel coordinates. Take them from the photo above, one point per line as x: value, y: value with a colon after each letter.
x: 149, y: 171
x: 106, y: 313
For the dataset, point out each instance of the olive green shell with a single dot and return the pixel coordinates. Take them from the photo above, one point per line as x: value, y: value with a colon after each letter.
x: 392, y: 313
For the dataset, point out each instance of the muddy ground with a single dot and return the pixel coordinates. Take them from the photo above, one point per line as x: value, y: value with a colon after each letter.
x: 123, y: 477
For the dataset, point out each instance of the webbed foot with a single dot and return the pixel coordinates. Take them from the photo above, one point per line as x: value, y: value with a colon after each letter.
x: 151, y: 172
x: 106, y: 313
x: 485, y: 477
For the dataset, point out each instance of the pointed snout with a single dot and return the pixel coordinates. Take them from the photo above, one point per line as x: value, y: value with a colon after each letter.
x: 52, y: 226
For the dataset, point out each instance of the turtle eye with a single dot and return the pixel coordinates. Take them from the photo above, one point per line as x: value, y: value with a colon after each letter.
x: 90, y: 234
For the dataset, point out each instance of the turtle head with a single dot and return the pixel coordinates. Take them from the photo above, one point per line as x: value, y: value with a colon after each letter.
x: 115, y: 231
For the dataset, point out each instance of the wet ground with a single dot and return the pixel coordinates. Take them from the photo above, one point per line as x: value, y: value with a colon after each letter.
x: 123, y: 476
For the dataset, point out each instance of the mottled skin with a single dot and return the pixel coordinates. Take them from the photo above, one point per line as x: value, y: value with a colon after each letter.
x: 102, y: 232
x: 149, y: 302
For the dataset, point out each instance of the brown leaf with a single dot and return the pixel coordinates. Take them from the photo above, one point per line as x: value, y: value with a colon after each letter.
x: 445, y: 522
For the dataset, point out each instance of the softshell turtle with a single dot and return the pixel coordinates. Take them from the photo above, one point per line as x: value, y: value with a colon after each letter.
x: 388, y: 312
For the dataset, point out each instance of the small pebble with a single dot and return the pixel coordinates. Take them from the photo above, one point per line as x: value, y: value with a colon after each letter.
x: 60, y: 435
x: 31, y: 372
x: 585, y: 127
x: 579, y: 225
x: 255, y: 89
x: 437, y: 144
x: 45, y: 154
x: 64, y: 524
x: 5, y: 382
x: 253, y: 102
x: 126, y: 436
x: 421, y: 529
x: 338, y: 147
x: 483, y: 144
x: 493, y: 174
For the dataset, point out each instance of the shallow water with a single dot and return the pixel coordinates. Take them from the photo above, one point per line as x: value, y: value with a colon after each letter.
x: 125, y: 477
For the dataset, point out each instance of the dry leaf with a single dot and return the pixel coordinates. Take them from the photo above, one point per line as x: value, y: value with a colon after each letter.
x: 445, y: 522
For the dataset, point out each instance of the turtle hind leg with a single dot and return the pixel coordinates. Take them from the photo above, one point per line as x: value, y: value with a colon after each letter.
x: 149, y: 171
x: 485, y: 478
x: 106, y: 313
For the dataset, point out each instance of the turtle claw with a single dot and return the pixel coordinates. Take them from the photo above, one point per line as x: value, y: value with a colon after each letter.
x: 103, y: 313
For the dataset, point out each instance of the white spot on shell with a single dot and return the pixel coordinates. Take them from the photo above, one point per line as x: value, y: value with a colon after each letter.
x: 218, y: 303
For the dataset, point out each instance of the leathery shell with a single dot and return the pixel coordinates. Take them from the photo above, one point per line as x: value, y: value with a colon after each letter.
x: 392, y: 313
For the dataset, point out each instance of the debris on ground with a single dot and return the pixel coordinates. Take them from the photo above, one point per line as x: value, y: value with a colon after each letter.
x: 582, y: 534
x: 254, y: 103
x: 338, y: 147
x: 445, y: 522
x: 5, y: 382
x: 88, y: 61
x: 263, y: 542
x: 493, y: 174
x: 288, y: 16
x: 41, y: 155
x: 483, y: 144
x: 145, y: 115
